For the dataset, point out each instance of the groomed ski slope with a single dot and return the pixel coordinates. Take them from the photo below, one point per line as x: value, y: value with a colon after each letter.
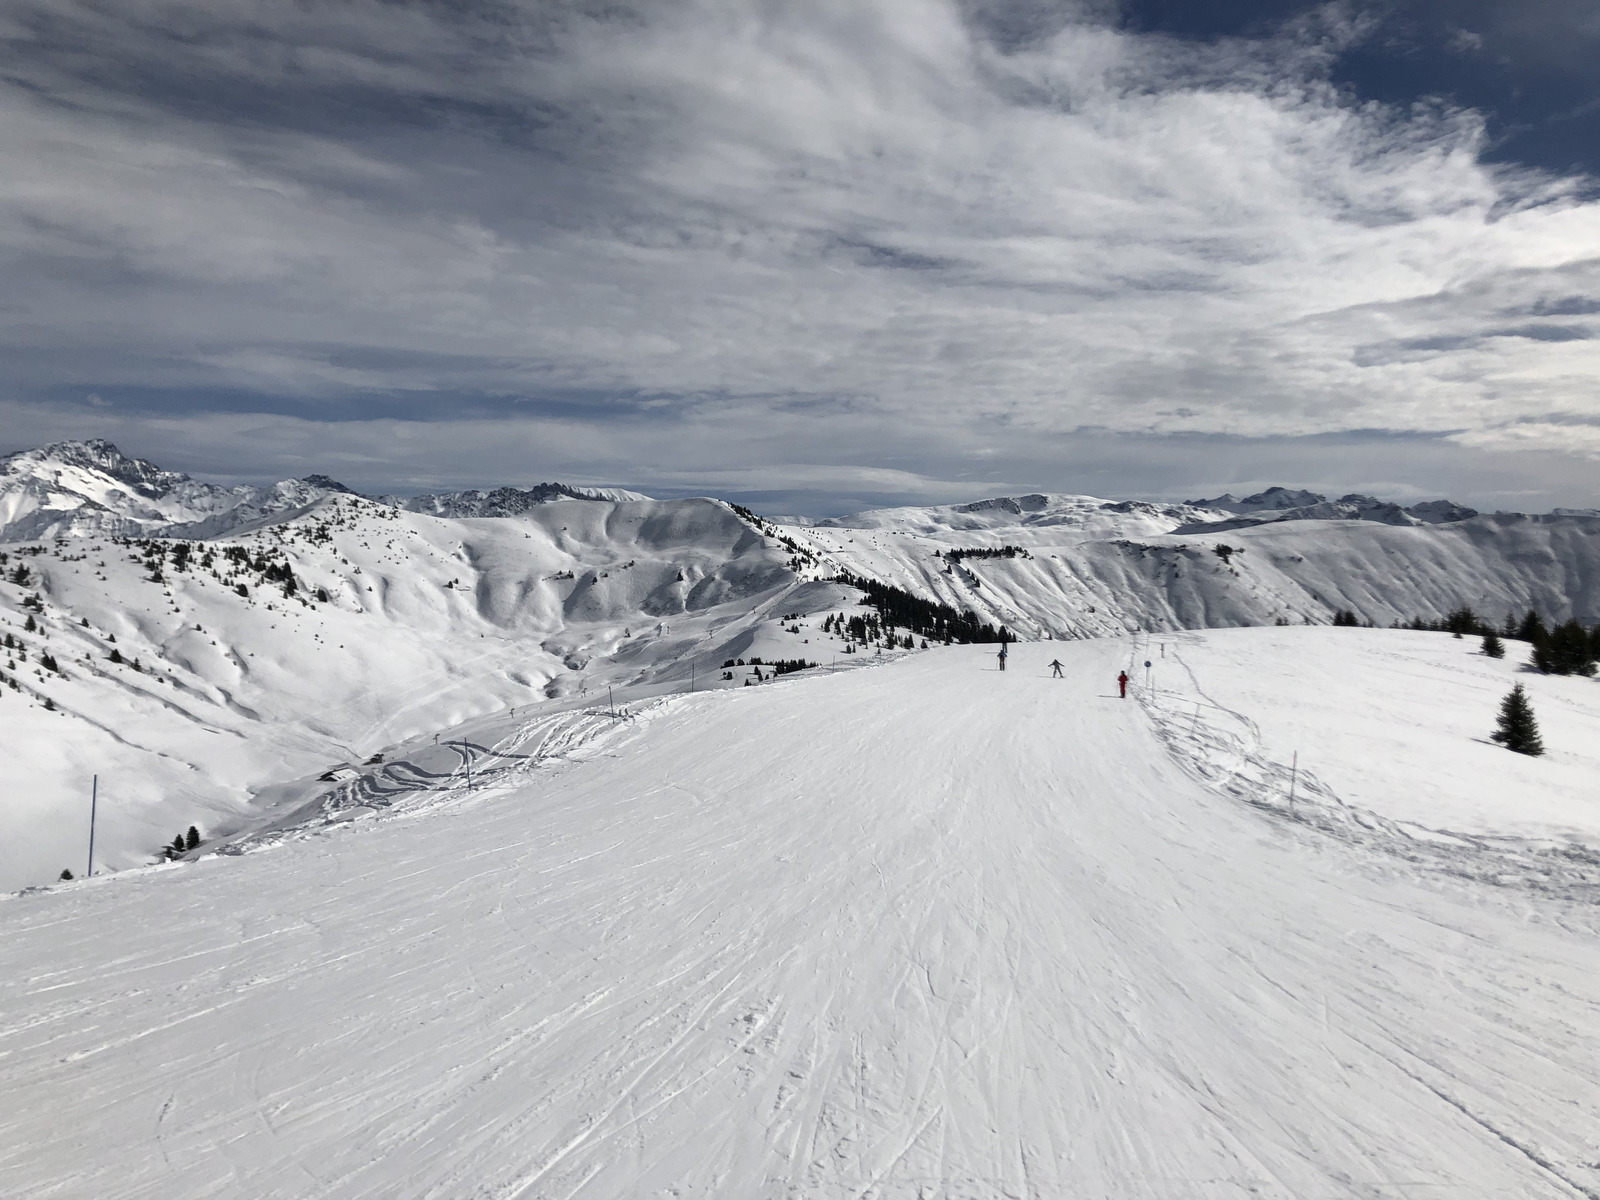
x: 925, y: 930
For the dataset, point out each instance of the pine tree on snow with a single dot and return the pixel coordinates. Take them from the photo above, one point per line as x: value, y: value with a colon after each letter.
x: 1532, y: 629
x: 1516, y: 729
x: 194, y: 838
x: 1566, y: 651
x: 1493, y: 646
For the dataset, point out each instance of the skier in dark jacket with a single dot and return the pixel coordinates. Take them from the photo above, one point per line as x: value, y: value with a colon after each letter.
x: 1055, y: 668
x: 1122, y: 684
x: 1002, y: 656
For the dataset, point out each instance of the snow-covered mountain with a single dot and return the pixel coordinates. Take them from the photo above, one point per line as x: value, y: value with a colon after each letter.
x: 217, y: 650
x: 1076, y: 566
x: 76, y: 489
x: 1281, y: 504
x: 487, y: 902
x: 1087, y: 516
x: 505, y: 501
x: 189, y: 674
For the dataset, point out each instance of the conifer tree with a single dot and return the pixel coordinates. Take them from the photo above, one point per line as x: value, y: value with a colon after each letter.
x: 1493, y: 646
x: 31, y: 626
x: 1565, y: 651
x: 194, y: 837
x: 66, y: 874
x: 1532, y: 629
x: 1516, y: 729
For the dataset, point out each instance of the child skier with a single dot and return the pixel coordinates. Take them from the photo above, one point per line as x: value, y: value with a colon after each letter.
x: 1055, y: 668
x: 1122, y: 684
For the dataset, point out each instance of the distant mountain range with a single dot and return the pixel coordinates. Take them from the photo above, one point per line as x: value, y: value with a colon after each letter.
x: 1282, y: 504
x: 505, y: 501
x: 90, y: 487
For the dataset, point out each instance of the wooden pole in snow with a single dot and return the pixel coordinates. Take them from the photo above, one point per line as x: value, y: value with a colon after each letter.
x: 94, y: 804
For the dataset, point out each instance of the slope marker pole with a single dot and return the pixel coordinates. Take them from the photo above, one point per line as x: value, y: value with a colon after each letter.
x: 94, y: 804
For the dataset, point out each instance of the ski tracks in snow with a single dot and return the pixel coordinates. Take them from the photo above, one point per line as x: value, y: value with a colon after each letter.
x: 1225, y: 749
x: 920, y: 932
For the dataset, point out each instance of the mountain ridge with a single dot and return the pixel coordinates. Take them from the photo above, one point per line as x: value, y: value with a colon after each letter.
x: 1283, y: 504
x: 90, y: 487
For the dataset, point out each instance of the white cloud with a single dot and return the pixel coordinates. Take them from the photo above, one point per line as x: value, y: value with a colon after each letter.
x: 958, y: 250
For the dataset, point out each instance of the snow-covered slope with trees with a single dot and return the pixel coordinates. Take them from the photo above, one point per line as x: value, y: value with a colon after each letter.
x: 924, y: 930
x: 1070, y: 566
x: 212, y: 678
x: 190, y: 674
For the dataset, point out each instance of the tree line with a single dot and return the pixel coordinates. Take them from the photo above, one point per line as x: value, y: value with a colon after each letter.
x: 926, y: 619
x: 1565, y: 649
x: 956, y: 555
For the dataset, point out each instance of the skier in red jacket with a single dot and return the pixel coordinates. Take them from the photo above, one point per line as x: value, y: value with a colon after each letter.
x: 1122, y: 684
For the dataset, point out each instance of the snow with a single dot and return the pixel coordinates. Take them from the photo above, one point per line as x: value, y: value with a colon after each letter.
x: 429, y: 622
x: 1094, y: 569
x: 434, y: 620
x: 71, y: 489
x: 81, y: 489
x: 511, y: 888
x: 1396, y: 722
x: 920, y: 930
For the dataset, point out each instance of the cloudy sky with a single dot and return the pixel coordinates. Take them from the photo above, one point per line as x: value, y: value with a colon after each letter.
x: 816, y: 255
